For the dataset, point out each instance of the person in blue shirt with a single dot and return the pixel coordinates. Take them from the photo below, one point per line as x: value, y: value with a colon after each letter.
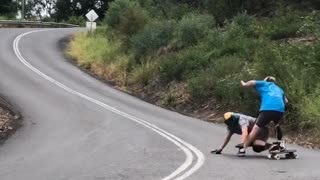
x: 272, y: 108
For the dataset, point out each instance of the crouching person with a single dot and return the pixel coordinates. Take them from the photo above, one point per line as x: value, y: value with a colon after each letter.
x: 242, y: 125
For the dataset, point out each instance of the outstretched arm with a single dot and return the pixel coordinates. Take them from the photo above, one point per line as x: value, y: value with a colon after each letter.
x: 249, y: 83
x: 226, y: 140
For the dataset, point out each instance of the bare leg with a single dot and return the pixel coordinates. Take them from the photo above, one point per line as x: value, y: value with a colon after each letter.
x: 259, y: 143
x: 251, y: 136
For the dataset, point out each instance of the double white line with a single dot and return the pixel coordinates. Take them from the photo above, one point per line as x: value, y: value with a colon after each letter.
x: 184, y: 171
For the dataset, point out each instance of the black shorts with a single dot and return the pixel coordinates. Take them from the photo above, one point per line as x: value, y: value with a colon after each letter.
x: 263, y: 134
x: 265, y: 117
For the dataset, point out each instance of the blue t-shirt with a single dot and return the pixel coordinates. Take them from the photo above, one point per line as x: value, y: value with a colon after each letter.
x: 272, y: 96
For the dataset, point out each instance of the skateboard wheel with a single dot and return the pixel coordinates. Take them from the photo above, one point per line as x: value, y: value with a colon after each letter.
x: 289, y: 156
x: 269, y: 156
x: 277, y: 157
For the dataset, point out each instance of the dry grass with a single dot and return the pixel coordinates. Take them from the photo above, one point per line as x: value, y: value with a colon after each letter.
x: 100, y: 55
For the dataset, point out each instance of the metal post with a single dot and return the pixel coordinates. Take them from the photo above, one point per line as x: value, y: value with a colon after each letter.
x: 91, y: 23
x: 22, y: 9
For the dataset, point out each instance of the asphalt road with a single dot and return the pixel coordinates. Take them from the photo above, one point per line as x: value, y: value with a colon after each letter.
x: 78, y: 128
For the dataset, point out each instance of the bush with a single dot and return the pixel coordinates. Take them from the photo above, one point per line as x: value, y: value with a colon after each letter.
x: 183, y: 64
x: 153, y: 36
x: 143, y: 73
x: 244, y: 23
x: 220, y: 80
x: 194, y: 27
x: 280, y: 27
x: 309, y: 110
x: 171, y: 68
x: 77, y: 20
x: 201, y: 87
x: 233, y: 41
x: 126, y: 16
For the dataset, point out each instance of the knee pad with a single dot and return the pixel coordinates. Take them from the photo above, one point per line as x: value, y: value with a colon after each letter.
x: 258, y: 148
x: 278, y: 132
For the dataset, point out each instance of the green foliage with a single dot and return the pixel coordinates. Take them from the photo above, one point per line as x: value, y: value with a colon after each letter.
x: 193, y: 28
x: 94, y: 48
x: 220, y: 80
x: 210, y: 60
x: 223, y: 10
x: 61, y: 10
x: 310, y: 110
x: 236, y: 39
x: 143, y: 73
x: 3, y: 18
x: 171, y: 68
x: 282, y: 26
x: 76, y: 20
x: 127, y: 16
x: 183, y: 64
x: 8, y: 9
x: 152, y: 37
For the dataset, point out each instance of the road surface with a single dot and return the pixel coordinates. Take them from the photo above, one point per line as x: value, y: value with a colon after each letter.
x: 78, y: 128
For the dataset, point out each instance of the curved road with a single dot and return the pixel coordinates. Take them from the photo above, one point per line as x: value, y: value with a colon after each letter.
x: 77, y: 128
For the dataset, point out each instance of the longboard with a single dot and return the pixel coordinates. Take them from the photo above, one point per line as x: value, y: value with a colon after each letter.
x: 289, y: 154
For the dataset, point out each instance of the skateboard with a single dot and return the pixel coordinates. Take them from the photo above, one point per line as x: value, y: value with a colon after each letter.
x: 289, y: 154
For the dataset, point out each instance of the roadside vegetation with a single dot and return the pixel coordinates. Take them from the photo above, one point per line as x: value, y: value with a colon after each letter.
x: 187, y: 54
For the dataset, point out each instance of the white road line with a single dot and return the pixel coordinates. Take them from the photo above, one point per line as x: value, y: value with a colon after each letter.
x: 186, y: 147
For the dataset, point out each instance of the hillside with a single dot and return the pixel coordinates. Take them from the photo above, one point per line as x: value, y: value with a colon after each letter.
x: 190, y: 57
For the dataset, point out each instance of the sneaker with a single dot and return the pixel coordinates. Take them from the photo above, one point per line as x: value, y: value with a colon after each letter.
x: 275, y: 147
x: 242, y: 152
x: 278, y: 147
x: 282, y: 146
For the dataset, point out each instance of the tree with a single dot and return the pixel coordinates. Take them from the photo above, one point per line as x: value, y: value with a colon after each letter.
x: 64, y: 9
x: 40, y: 8
x: 8, y: 8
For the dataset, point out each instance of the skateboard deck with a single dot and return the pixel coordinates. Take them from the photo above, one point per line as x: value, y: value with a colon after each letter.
x: 289, y: 154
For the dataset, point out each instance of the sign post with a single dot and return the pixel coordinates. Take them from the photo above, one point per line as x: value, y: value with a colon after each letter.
x: 91, y: 16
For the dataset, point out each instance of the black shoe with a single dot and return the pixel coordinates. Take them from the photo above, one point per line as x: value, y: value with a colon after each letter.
x: 242, y: 152
x: 277, y: 147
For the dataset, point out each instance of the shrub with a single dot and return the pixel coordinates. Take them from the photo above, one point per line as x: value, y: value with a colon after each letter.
x: 126, y: 16
x: 77, y: 20
x: 153, y: 36
x: 309, y: 110
x: 183, y: 64
x: 171, y: 68
x: 280, y: 27
x: 244, y: 23
x: 201, y: 87
x: 220, y: 80
x: 143, y: 73
x: 193, y: 27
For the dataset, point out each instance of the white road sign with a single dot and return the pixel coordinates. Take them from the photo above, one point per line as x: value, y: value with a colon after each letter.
x: 92, y: 15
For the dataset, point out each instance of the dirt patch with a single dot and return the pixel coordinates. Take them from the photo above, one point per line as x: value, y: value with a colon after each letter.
x: 9, y: 120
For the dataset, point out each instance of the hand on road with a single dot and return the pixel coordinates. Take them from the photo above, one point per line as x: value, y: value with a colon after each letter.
x: 216, y: 151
